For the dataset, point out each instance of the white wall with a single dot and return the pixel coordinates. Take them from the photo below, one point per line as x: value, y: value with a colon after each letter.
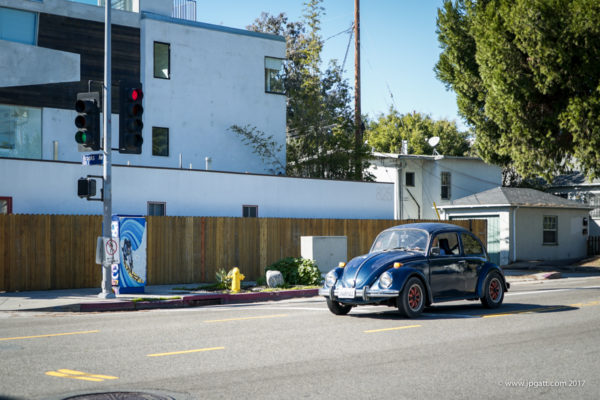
x: 45, y: 187
x: 572, y: 243
x: 217, y: 80
x: 36, y: 65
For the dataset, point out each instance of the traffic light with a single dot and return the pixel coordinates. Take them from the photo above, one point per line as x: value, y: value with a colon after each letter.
x: 130, y: 117
x: 88, y: 121
x: 86, y: 187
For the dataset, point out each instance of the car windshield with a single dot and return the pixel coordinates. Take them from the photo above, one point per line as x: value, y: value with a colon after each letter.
x: 403, y: 239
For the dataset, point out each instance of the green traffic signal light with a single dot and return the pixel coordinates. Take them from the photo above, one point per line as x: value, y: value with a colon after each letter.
x: 87, y: 121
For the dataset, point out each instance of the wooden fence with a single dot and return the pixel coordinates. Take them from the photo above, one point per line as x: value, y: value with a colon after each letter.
x: 41, y: 252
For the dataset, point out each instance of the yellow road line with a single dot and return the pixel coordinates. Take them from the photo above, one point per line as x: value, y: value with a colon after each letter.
x: 185, y: 352
x: 531, y: 310
x: 48, y: 335
x: 83, y: 376
x: 247, y: 318
x: 393, y: 329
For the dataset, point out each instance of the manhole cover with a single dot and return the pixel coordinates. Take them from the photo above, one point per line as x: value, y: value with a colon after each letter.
x: 119, y: 396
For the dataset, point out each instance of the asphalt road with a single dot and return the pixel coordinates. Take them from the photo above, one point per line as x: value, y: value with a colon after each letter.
x: 543, y: 342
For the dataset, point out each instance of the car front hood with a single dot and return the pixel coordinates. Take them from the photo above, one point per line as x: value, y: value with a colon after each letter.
x: 364, y: 270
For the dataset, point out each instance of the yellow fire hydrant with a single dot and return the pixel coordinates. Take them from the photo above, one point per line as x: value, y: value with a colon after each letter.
x: 236, y: 278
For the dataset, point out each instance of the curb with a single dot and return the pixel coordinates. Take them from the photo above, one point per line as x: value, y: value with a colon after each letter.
x: 196, y: 300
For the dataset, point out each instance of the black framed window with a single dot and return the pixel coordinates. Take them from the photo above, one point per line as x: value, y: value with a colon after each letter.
x: 446, y: 180
x: 250, y: 211
x: 274, y: 75
x: 157, y: 208
x: 162, y: 60
x: 550, y: 235
x: 410, y: 179
x: 160, y: 141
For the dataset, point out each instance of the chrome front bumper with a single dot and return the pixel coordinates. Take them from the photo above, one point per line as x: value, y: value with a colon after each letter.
x: 364, y: 294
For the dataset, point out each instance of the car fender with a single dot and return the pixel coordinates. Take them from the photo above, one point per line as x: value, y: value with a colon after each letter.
x: 403, y: 274
x: 485, y: 270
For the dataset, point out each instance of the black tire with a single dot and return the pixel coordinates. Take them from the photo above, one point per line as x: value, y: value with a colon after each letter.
x: 493, y: 290
x: 411, y: 301
x: 338, y: 308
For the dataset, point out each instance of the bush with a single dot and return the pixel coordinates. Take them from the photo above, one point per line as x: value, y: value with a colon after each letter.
x: 223, y: 279
x: 297, y: 271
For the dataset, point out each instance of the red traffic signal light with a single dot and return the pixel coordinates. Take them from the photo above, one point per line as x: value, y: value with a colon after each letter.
x: 130, y: 118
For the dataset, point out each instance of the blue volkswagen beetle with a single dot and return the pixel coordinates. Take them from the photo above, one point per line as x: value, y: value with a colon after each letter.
x: 412, y: 266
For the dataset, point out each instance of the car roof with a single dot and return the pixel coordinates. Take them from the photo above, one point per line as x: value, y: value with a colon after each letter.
x: 430, y: 227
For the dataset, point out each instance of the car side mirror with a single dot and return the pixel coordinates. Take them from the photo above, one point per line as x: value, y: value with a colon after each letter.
x: 435, y: 251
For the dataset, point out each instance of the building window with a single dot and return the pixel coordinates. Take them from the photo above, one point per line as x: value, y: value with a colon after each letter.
x: 20, y: 132
x: 250, y: 211
x: 160, y: 141
x: 162, y: 60
x: 125, y: 5
x: 18, y: 26
x: 550, y: 229
x: 5, y: 205
x: 410, y: 179
x: 274, y: 75
x: 157, y: 208
x: 446, y: 186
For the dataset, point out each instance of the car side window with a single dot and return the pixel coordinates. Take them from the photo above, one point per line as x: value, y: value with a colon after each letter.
x: 471, y: 245
x: 447, y: 243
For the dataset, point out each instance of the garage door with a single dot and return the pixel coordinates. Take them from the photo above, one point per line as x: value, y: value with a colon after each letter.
x: 493, y: 234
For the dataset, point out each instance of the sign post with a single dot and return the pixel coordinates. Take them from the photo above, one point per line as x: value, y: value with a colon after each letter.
x: 107, y: 218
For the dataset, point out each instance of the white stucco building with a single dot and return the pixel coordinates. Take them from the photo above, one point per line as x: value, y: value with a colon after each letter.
x: 424, y: 181
x: 198, y: 79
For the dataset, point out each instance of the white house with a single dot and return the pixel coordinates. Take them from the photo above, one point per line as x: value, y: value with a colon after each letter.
x: 526, y: 224
x: 428, y: 180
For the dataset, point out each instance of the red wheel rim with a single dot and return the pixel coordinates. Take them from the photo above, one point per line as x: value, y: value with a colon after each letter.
x: 414, y: 297
x: 495, y: 289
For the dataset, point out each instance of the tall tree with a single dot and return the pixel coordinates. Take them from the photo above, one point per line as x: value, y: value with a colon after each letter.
x: 320, y: 125
x: 388, y: 131
x: 527, y: 78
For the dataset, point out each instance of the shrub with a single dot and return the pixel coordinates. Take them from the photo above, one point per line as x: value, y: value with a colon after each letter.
x: 223, y: 279
x: 297, y: 271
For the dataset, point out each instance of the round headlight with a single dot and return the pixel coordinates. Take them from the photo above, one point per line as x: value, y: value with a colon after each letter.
x: 385, y: 280
x: 331, y: 278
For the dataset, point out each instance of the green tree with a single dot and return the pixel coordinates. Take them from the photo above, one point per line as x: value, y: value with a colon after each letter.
x: 388, y: 131
x: 320, y: 126
x: 527, y: 78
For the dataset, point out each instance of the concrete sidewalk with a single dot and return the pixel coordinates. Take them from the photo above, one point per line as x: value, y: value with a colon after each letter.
x: 174, y: 296
x: 157, y: 296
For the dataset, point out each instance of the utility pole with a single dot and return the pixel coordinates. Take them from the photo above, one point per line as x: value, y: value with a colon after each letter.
x: 357, y: 111
x: 107, y: 195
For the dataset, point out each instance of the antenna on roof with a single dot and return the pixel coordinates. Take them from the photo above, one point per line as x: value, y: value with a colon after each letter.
x: 434, y: 141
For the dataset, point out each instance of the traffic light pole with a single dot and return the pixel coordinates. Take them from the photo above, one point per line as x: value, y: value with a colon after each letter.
x: 106, y: 100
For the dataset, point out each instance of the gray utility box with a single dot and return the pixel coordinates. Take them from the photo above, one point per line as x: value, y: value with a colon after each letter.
x: 326, y: 251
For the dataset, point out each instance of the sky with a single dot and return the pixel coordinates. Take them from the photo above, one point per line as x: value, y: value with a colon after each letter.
x: 399, y: 48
